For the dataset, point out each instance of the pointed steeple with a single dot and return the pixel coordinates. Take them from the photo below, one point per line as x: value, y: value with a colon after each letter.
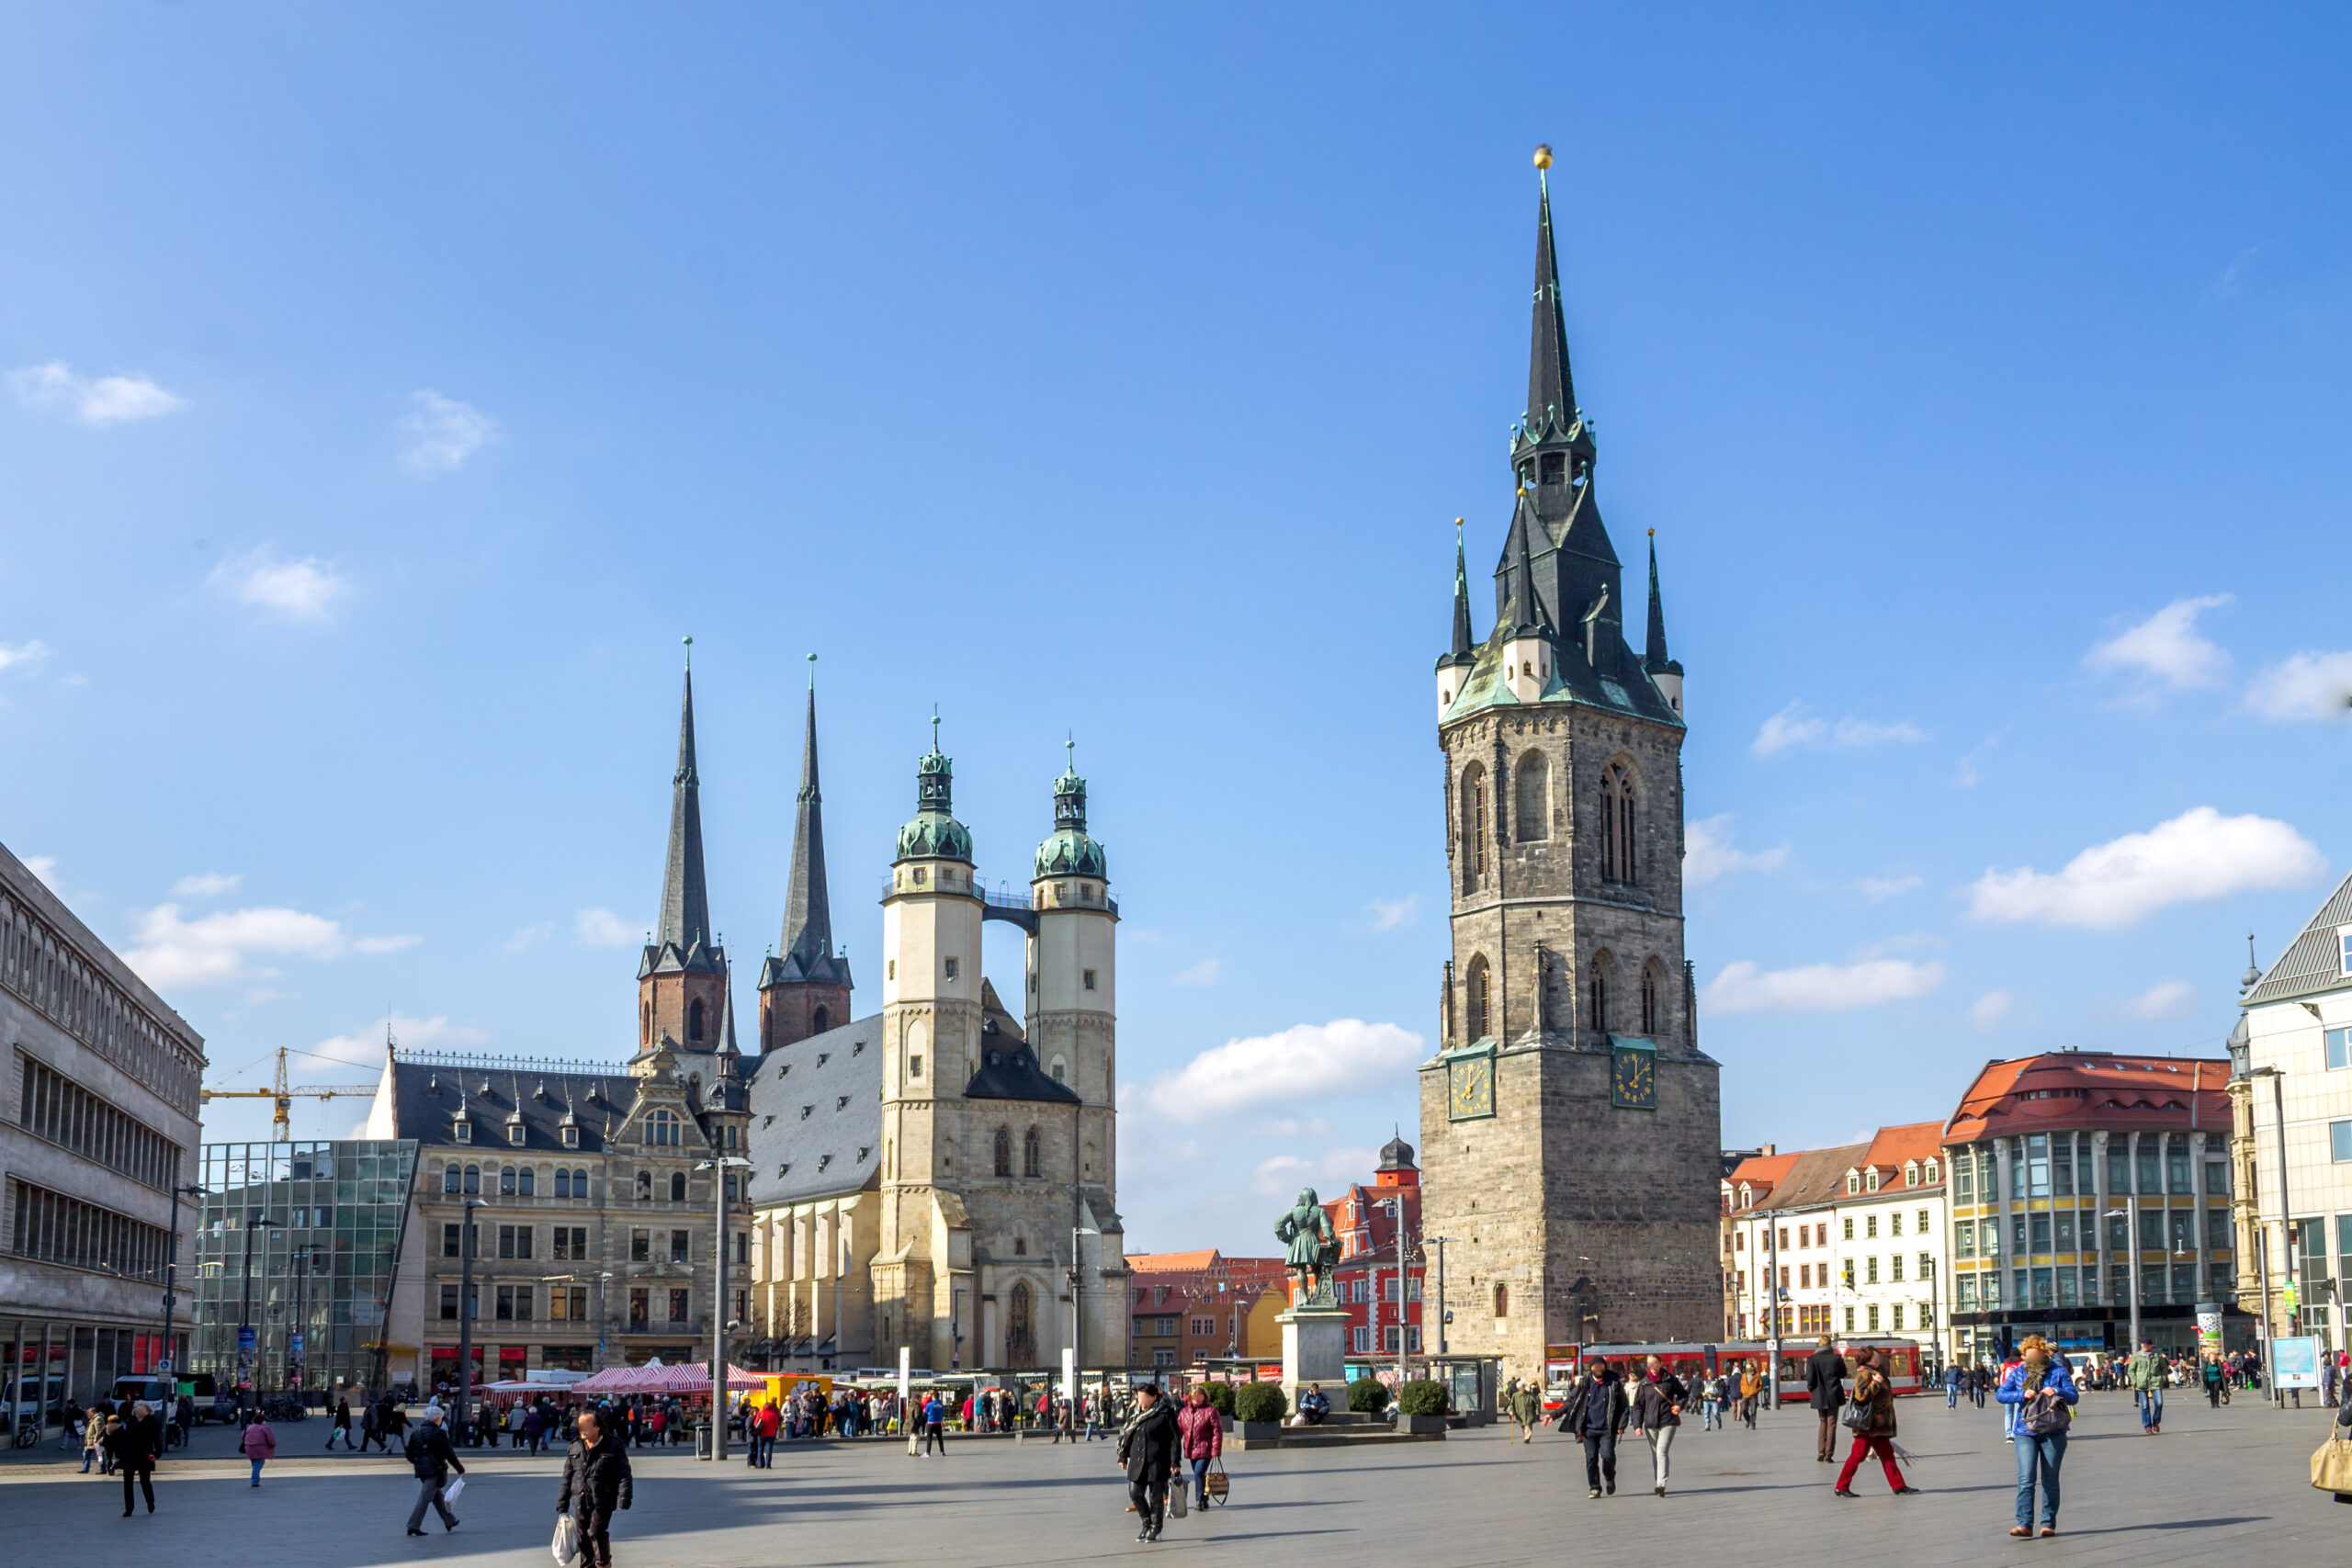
x: 1465, y: 646
x: 683, y: 939
x: 808, y: 947
x: 1653, y: 657
x: 1551, y: 391
x: 1527, y: 612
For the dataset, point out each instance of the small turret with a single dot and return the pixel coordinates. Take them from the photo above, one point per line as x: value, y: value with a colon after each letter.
x: 1663, y: 673
x: 1454, y: 666
x: 1529, y: 649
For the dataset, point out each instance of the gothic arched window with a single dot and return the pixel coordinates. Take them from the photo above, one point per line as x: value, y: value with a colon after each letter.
x: 1020, y: 1325
x: 1502, y: 1299
x: 1475, y: 1000
x: 1596, y: 992
x: 645, y: 1024
x: 1649, y: 1000
x: 819, y: 1021
x: 1474, y: 828
x: 677, y: 1187
x: 1617, y: 862
x: 694, y: 1021
x: 1033, y: 1161
x: 1531, y: 805
x: 1004, y: 1152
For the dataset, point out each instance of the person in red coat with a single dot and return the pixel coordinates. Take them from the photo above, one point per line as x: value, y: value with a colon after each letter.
x: 1200, y: 1437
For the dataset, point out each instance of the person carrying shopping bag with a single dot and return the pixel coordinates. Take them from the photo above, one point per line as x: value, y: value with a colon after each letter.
x: 431, y: 1459
x: 1201, y: 1434
x: 596, y: 1485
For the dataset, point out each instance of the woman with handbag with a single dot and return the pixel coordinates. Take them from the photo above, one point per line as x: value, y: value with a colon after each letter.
x: 1202, y: 1436
x: 1869, y: 1416
x: 2044, y: 1394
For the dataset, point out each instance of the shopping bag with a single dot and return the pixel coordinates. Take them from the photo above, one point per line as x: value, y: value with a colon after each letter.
x: 2332, y: 1466
x: 1180, y: 1496
x: 1219, y: 1484
x: 566, y: 1545
x: 449, y: 1491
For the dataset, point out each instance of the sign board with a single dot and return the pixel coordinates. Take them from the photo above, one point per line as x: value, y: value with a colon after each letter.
x: 2294, y: 1363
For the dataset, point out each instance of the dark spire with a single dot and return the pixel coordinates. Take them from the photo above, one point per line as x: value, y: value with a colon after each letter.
x: 1527, y: 612
x: 683, y: 936
x: 1465, y: 647
x: 1551, y: 391
x: 1653, y: 658
x: 808, y: 916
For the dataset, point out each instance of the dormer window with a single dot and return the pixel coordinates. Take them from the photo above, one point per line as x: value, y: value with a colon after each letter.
x: 1853, y: 1182
x: 463, y: 1130
x: 1869, y: 1180
x: 514, y: 1132
x: 1911, y: 1174
x: 1930, y: 1171
x: 1554, y: 467
x: 571, y: 1137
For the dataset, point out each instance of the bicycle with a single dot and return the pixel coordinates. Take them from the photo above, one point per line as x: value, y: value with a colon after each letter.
x: 28, y: 1431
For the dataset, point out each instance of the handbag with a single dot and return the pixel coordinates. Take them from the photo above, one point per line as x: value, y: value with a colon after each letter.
x: 2332, y: 1466
x: 1219, y: 1484
x: 566, y: 1544
x: 1178, y: 1496
x: 1856, y: 1416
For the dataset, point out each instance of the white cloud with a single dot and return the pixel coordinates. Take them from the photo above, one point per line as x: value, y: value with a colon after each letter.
x: 2166, y: 998
x: 219, y: 948
x: 443, y: 433
x: 365, y: 1046
x: 2168, y: 646
x: 303, y: 590
x: 602, y: 927
x: 1708, y: 854
x: 44, y: 867
x: 207, y: 884
x: 1204, y: 973
x: 1389, y: 914
x: 93, y: 400
x: 2309, y: 686
x: 527, y: 937
x: 1744, y: 986
x: 29, y: 655
x: 1992, y: 1009
x: 2198, y: 854
x: 1879, y: 889
x: 1792, y: 727
x: 1283, y: 1176
x: 1306, y: 1062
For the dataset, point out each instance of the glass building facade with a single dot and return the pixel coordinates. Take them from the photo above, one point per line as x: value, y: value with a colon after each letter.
x: 321, y: 1223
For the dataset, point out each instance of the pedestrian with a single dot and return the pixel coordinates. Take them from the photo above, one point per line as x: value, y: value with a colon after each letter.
x: 1657, y: 1416
x: 1874, y: 1428
x: 595, y: 1487
x: 1596, y: 1411
x: 185, y: 1418
x: 431, y: 1459
x: 1751, y: 1389
x: 342, y: 1424
x: 1201, y: 1432
x: 2147, y: 1377
x: 259, y: 1444
x: 1951, y: 1386
x: 1825, y: 1388
x: 134, y: 1441
x: 94, y: 1436
x: 1065, y: 1420
x: 1711, y: 1401
x: 1526, y: 1409
x: 2043, y: 1392
x: 2216, y: 1386
x: 769, y: 1422
x: 934, y: 1427
x: 535, y: 1427
x: 1147, y: 1447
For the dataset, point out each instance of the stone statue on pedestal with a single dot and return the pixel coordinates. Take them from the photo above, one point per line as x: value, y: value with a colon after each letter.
x: 1313, y: 1247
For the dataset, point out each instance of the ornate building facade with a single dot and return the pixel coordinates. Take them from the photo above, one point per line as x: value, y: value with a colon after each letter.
x: 1570, y: 1121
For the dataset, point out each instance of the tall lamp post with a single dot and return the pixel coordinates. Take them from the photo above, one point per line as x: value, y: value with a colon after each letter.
x: 465, y: 1318
x: 2286, y: 1234
x: 1443, y: 1317
x: 1395, y: 1207
x: 255, y: 1219
x: 169, y: 1365
x: 719, y: 1166
x: 2130, y: 1215
x: 1076, y: 1313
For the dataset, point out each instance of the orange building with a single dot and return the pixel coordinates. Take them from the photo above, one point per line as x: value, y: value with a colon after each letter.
x: 1185, y: 1307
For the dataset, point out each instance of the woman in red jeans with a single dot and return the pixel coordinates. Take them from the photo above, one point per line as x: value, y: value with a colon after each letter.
x: 1200, y: 1437
x: 1875, y: 1395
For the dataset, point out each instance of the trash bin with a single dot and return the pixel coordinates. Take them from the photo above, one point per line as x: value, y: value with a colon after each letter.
x: 702, y: 1439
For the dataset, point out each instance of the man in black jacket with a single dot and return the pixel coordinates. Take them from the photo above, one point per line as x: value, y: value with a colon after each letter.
x: 595, y: 1483
x: 1596, y: 1412
x: 432, y: 1458
x: 1147, y: 1449
x: 1825, y: 1387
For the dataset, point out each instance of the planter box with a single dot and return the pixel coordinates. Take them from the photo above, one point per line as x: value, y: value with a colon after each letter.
x: 1266, y: 1432
x: 1421, y: 1424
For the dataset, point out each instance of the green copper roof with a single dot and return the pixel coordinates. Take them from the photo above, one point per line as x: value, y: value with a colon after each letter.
x: 1071, y: 851
x: 934, y: 834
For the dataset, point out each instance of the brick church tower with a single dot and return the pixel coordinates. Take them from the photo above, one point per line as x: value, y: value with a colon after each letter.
x: 1570, y: 1126
x: 805, y: 987
x: 682, y: 978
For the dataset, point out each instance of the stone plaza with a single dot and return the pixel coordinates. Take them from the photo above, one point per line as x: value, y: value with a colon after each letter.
x: 2226, y: 1486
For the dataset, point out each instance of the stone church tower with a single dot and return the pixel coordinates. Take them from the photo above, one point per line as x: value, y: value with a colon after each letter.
x: 805, y: 987
x: 1570, y: 1126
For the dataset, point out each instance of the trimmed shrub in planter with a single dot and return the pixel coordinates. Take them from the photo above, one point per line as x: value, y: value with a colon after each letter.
x: 1422, y: 1396
x: 1220, y: 1397
x: 1261, y: 1402
x: 1368, y: 1396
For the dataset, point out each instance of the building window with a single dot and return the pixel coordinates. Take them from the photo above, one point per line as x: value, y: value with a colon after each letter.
x: 2339, y: 1048
x: 507, y: 1182
x: 570, y: 1136
x: 1853, y: 1185
x: 1649, y: 1000
x: 641, y: 1245
x: 1927, y: 1173
x: 645, y: 1187
x: 452, y: 1241
x: 1532, y: 799
x: 2339, y: 1142
x: 448, y: 1303
x: 1874, y: 1317
x: 563, y: 1181
x: 1474, y: 1000
x: 1850, y: 1320
x: 1596, y: 998
x: 473, y: 1181
x: 1870, y: 1227
x: 451, y: 1179
x: 694, y: 1021
x: 890, y: 969
x: 1090, y: 979
x: 1617, y: 862
x: 1474, y: 828
x: 1894, y: 1267
x: 677, y: 1306
x: 661, y: 1129
x: 1502, y: 1299
x: 1060, y: 1069
x: 638, y: 1310
x: 677, y: 1187
x: 951, y: 968
x: 1166, y: 1358
x: 1869, y: 1180
x: 514, y: 1132
x: 1031, y: 1154
x: 462, y: 1130
x: 679, y: 1244
x: 1003, y: 1151
x: 2343, y: 950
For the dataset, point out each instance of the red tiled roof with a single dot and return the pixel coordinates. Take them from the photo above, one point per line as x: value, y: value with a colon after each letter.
x: 1896, y: 1146
x: 1816, y: 1176
x: 1762, y: 1172
x: 1170, y: 1262
x: 2092, y: 1090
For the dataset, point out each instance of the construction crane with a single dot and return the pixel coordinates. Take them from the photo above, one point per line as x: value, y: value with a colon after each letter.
x: 282, y: 1094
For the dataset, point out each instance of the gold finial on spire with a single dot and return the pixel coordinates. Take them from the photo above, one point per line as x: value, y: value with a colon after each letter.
x: 1653, y: 533
x: 1544, y: 155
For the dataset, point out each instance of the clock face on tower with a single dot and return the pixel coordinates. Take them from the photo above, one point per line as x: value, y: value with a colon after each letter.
x: 1470, y: 1088
x: 1633, y: 1079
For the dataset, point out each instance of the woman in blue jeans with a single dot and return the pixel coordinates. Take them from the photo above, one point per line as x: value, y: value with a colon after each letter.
x: 2044, y: 1392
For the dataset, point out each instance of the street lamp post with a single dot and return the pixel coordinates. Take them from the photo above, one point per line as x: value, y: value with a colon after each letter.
x: 1443, y: 1317
x: 719, y: 1166
x: 1077, y: 1313
x: 2130, y: 1215
x: 170, y: 1364
x: 1395, y: 1207
x: 465, y: 1317
x: 255, y: 1219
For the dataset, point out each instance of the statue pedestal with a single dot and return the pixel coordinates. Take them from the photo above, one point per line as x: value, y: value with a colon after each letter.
x: 1315, y: 1348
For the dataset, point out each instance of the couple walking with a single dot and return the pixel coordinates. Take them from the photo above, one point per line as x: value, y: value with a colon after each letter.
x: 1599, y: 1408
x: 1872, y: 1423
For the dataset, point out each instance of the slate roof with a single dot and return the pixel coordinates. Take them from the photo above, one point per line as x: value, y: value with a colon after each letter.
x: 2313, y: 962
x: 808, y: 951
x: 1008, y: 1068
x: 816, y: 1129
x: 426, y: 1097
x: 2094, y: 1090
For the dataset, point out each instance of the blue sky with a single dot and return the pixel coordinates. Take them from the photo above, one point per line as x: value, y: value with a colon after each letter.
x: 390, y: 389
